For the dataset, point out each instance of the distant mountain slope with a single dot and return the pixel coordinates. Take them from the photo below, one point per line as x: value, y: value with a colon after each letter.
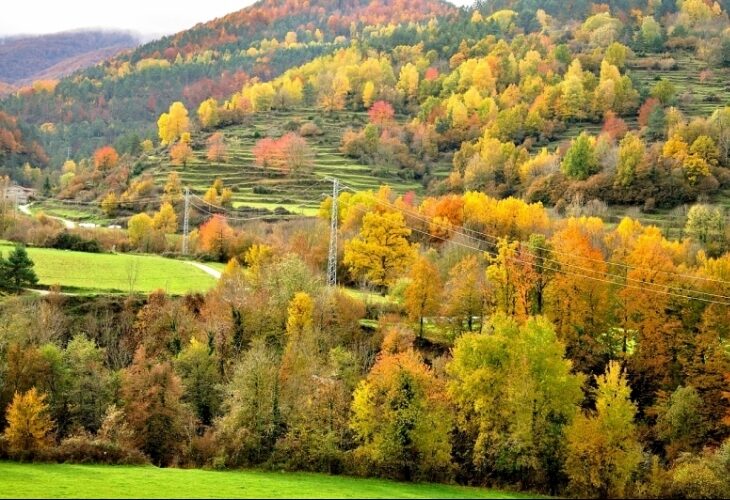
x: 274, y: 18
x: 118, y: 101
x: 6, y: 88
x: 23, y: 59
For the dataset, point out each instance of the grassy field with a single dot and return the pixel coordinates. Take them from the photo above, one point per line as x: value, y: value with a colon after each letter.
x: 87, y: 273
x: 299, y: 194
x: 87, y: 481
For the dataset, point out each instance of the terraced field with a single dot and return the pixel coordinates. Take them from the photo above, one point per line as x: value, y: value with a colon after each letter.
x: 296, y: 193
x: 696, y: 97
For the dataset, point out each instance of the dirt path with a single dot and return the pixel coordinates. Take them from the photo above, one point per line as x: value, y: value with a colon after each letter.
x: 68, y: 224
x: 206, y: 269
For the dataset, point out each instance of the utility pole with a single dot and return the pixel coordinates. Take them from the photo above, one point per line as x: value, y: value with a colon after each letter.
x: 186, y: 222
x: 332, y: 260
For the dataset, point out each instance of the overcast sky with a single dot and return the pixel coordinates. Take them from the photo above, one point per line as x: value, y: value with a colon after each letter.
x: 143, y: 16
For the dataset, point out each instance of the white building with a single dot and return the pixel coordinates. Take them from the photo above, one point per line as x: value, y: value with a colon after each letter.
x: 17, y: 194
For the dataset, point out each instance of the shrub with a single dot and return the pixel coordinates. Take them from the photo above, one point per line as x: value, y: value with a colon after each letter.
x: 75, y: 242
x: 85, y: 449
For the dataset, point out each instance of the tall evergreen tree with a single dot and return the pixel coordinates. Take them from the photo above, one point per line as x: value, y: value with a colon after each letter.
x: 16, y: 272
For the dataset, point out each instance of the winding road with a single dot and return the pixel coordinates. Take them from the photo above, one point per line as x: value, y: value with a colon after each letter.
x: 68, y: 224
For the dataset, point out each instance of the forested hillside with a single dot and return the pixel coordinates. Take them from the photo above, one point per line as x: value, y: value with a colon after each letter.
x: 24, y: 59
x: 521, y: 277
x: 117, y: 102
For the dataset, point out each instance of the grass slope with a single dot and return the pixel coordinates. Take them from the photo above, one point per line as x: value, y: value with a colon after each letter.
x: 297, y: 193
x: 93, y: 273
x: 89, y: 481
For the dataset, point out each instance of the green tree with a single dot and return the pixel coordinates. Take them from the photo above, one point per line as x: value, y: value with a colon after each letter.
x: 88, y: 383
x: 16, y: 272
x: 252, y: 422
x: 630, y: 156
x: 580, y: 160
x: 603, y: 449
x: 198, y: 369
x: 515, y: 392
x: 665, y: 91
x: 680, y: 423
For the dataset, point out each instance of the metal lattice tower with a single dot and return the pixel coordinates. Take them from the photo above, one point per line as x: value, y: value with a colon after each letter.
x: 186, y: 222
x: 332, y: 260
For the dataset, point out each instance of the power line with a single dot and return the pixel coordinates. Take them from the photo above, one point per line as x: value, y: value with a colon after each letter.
x: 496, y: 239
x: 645, y: 284
x: 594, y: 278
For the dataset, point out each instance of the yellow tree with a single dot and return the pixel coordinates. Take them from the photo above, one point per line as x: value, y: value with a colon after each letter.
x: 139, y: 229
x: 298, y: 361
x: 402, y: 419
x: 166, y: 219
x: 466, y: 294
x: 650, y: 269
x: 408, y: 80
x: 423, y: 292
x: 603, y: 450
x: 368, y: 94
x: 173, y: 189
x: 173, y: 124
x: 110, y: 203
x: 381, y: 252
x: 208, y: 113
x: 28, y: 422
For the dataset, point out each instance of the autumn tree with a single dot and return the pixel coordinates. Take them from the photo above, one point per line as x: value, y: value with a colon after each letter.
x: 401, y: 418
x: 208, y: 113
x: 173, y: 124
x: 381, y: 252
x: 466, y: 295
x: 110, y: 204
x: 152, y: 395
x: 217, y: 150
x: 630, y: 158
x: 381, y: 113
x: 423, y: 291
x: 29, y: 425
x: 181, y: 153
x: 515, y: 392
x: 173, y: 189
x: 603, y: 450
x: 577, y: 296
x: 106, y: 158
x: 139, y: 229
x: 215, y: 235
x: 165, y: 219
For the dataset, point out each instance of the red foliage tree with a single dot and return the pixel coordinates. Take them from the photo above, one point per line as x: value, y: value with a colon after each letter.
x: 646, y: 109
x: 106, y: 158
x: 614, y: 126
x: 381, y: 113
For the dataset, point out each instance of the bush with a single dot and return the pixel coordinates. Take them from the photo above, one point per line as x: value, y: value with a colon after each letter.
x: 85, y: 449
x: 262, y: 190
x: 75, y: 242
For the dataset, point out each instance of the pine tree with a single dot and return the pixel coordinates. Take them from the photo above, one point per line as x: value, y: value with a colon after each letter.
x: 16, y: 272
